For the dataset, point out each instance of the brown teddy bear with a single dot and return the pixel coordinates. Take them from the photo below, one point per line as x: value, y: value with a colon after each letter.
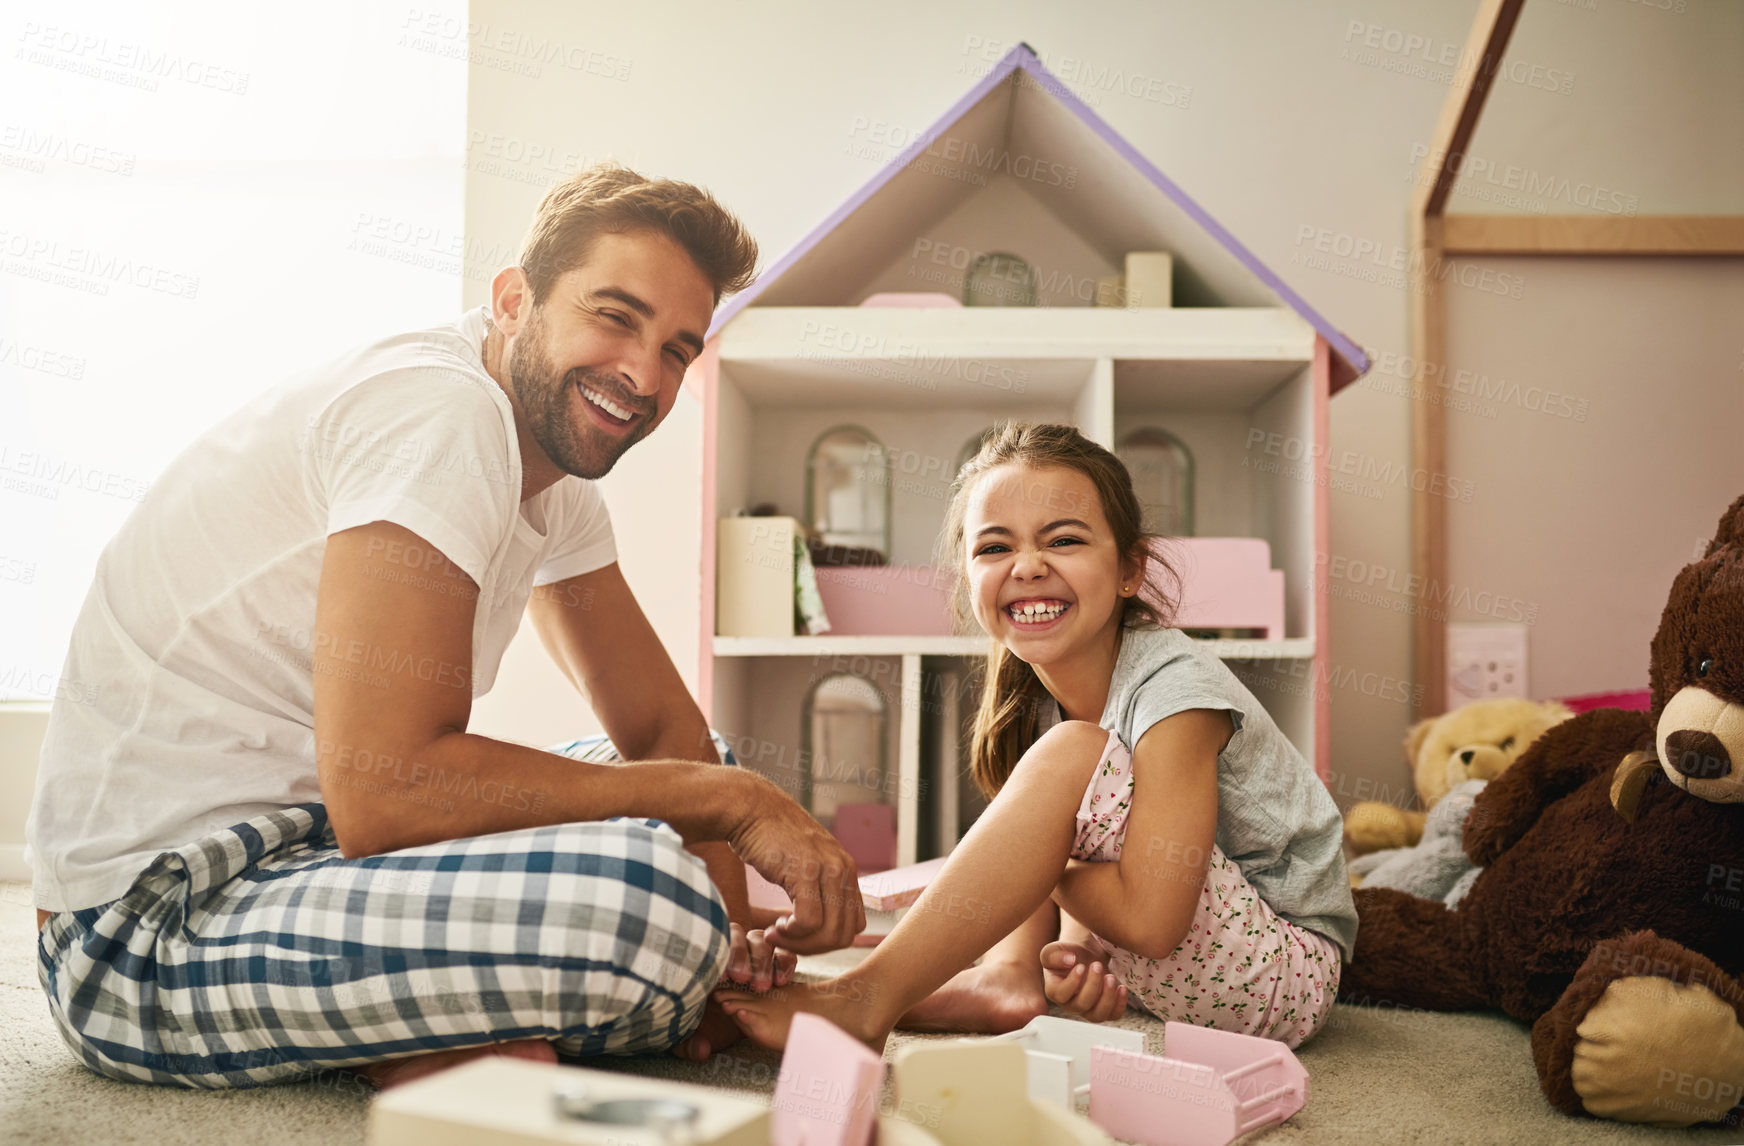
x: 1476, y: 741
x: 1610, y: 912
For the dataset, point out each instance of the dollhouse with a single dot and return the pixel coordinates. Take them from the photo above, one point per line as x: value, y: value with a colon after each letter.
x: 842, y: 391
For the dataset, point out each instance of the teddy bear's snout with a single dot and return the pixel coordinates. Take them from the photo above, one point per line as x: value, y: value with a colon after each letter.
x: 1698, y: 755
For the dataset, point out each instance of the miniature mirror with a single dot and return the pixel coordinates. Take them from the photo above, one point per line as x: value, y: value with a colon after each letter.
x: 1162, y: 476
x: 843, y: 736
x: 847, y: 490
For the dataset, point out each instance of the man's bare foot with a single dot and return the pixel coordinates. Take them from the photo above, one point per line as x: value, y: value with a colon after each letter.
x: 996, y: 997
x: 848, y: 1003
x: 404, y: 1069
x: 717, y: 1031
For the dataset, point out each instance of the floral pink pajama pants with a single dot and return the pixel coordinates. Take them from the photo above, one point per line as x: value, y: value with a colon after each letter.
x: 1241, y: 967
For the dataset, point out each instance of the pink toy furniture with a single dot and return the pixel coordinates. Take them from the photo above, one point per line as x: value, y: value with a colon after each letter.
x: 828, y: 1090
x: 1212, y: 1087
x: 885, y: 600
x: 898, y: 887
x: 885, y: 895
x: 868, y: 831
x: 1635, y: 700
x: 910, y: 298
x: 1227, y: 583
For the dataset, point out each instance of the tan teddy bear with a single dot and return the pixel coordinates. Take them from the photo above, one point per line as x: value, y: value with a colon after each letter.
x: 1476, y: 741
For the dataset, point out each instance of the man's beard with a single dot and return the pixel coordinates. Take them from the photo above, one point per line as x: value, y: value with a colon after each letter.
x: 545, y: 399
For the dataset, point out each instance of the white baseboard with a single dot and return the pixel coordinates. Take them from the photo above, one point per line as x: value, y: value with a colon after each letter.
x: 12, y: 865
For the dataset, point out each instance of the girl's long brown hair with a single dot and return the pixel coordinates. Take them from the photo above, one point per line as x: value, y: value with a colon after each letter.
x: 1012, y: 696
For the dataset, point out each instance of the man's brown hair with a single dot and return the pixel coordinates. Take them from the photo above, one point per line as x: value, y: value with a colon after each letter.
x: 609, y: 198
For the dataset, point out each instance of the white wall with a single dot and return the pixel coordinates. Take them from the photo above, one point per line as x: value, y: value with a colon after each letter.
x: 1296, y: 134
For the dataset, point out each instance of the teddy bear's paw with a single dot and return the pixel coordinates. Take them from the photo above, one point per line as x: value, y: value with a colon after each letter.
x: 1658, y: 1052
x: 1372, y: 826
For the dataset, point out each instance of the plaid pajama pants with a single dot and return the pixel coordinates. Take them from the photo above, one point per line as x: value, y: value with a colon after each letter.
x: 259, y: 954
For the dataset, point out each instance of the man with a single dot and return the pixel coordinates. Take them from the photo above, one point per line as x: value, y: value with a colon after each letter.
x: 269, y: 847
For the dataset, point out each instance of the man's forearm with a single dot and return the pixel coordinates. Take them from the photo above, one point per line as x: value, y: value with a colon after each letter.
x: 463, y: 784
x: 727, y: 870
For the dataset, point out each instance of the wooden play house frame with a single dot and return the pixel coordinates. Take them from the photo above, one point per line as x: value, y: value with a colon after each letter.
x: 1436, y: 235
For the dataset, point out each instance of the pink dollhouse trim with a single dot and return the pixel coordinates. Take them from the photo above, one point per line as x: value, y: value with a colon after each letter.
x: 1318, y: 596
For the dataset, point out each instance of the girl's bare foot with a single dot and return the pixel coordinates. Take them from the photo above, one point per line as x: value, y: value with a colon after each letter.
x: 405, y: 1068
x: 996, y: 997
x: 848, y: 1003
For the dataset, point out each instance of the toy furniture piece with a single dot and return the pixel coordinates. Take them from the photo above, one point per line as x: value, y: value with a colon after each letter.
x: 885, y: 600
x: 885, y: 894
x: 868, y: 832
x: 1240, y: 366
x: 970, y: 1092
x: 1058, y: 1051
x: 1227, y: 583
x: 756, y: 576
x: 900, y: 886
x: 1213, y: 1087
x: 1149, y: 279
x: 911, y: 298
x: 829, y: 1087
x: 500, y: 1101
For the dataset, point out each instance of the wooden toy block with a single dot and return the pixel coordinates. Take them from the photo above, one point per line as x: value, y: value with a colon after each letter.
x: 1213, y: 1087
x: 754, y: 586
x: 829, y: 1087
x: 1150, y: 278
x: 968, y: 1092
x: 499, y: 1101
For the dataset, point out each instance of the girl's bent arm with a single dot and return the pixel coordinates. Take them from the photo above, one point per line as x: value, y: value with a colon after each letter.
x: 1146, y: 902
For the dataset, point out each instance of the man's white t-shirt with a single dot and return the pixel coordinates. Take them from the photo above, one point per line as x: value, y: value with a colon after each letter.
x: 190, y: 698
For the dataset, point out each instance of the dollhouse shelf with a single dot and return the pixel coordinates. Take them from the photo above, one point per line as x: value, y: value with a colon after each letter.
x: 1289, y: 648
x: 1227, y: 358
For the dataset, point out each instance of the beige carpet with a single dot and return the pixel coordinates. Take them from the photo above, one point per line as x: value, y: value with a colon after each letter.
x: 1378, y: 1077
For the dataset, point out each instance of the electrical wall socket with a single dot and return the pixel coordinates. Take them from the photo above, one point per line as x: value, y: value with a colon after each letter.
x: 1485, y: 659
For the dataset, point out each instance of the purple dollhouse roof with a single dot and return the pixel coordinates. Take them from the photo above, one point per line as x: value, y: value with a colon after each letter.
x: 1212, y: 266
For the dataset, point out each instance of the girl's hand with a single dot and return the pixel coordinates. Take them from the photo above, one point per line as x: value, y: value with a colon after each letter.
x: 1073, y: 978
x: 756, y: 962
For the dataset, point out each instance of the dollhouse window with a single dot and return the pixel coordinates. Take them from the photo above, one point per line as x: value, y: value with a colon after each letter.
x: 847, y: 490
x: 971, y: 448
x: 844, y: 734
x: 1162, y: 476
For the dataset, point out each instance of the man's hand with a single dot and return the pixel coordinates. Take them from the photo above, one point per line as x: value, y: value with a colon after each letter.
x: 757, y: 963
x: 1074, y: 978
x: 791, y: 849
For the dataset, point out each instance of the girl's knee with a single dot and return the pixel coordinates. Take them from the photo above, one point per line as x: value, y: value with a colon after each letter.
x: 1070, y: 742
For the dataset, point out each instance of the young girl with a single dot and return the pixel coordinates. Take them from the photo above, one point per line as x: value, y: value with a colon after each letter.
x: 1151, y: 837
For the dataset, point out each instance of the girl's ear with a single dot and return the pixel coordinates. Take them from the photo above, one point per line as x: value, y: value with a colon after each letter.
x: 1133, y: 571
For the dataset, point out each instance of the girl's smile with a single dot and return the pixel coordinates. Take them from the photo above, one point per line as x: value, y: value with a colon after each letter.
x: 1036, y: 614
